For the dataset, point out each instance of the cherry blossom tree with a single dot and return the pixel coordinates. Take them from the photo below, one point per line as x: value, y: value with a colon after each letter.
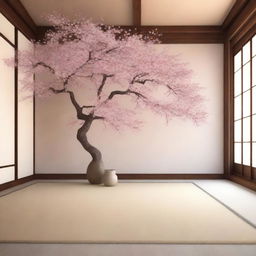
x: 77, y: 53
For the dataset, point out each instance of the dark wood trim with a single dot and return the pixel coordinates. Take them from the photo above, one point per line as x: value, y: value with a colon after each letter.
x: 240, y: 30
x: 59, y: 176
x: 171, y: 176
x: 6, y: 166
x: 7, y: 40
x: 16, y: 105
x: 171, y: 34
x: 251, y: 103
x: 244, y: 38
x: 227, y: 109
x: 16, y: 182
x: 136, y: 12
x: 234, y: 12
x: 134, y: 176
x: 238, y: 25
x: 129, y: 176
x: 243, y: 182
x: 34, y: 130
x: 242, y: 109
x: 21, y: 11
x: 13, y: 11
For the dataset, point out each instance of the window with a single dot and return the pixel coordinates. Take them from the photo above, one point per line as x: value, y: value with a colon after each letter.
x: 244, y: 139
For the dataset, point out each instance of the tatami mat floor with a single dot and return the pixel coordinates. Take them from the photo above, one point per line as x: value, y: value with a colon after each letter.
x: 236, y: 197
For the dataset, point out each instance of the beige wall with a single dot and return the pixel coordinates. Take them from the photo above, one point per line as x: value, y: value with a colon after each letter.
x: 179, y: 147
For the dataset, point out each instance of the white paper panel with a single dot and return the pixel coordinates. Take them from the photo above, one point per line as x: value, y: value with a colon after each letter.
x: 246, y: 154
x: 238, y: 108
x: 246, y: 103
x: 6, y: 105
x: 237, y: 155
x: 246, y: 52
x: 238, y: 133
x: 254, y: 46
x: 6, y: 174
x: 246, y: 76
x: 254, y: 154
x: 254, y: 100
x: 238, y: 84
x: 25, y: 120
x: 237, y: 61
x: 254, y: 128
x: 246, y: 129
x: 254, y: 71
x: 6, y: 28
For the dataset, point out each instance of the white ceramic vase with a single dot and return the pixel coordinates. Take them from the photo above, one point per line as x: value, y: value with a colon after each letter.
x: 110, y: 178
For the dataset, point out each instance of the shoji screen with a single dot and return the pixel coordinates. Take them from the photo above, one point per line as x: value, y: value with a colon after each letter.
x: 25, y: 119
x: 7, y: 103
x: 245, y: 111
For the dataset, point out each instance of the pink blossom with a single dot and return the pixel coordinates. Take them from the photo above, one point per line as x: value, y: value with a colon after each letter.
x: 129, y: 69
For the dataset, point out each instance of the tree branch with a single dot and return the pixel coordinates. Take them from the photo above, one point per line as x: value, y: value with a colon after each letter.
x: 127, y: 92
x: 144, y: 81
x: 44, y: 65
x: 138, y: 76
x: 90, y: 106
x: 77, y: 69
x: 171, y: 89
x: 98, y: 118
x: 56, y: 91
x: 79, y: 109
x: 110, y: 50
x: 104, y: 78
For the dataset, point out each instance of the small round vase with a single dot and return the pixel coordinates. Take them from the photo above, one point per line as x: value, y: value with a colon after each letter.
x: 110, y: 178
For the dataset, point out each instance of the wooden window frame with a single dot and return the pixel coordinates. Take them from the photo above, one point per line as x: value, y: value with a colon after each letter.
x: 240, y: 31
x: 242, y: 170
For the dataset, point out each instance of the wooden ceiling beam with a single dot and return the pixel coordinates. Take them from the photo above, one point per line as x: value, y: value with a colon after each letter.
x: 15, y: 12
x: 172, y: 34
x: 234, y: 12
x: 136, y: 12
x: 245, y: 16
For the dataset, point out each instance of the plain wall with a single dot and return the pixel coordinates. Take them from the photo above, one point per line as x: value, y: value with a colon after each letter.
x: 179, y: 147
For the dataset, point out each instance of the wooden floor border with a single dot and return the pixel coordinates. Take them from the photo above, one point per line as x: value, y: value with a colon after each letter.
x: 241, y: 181
x: 131, y: 176
x: 15, y: 183
x: 135, y: 176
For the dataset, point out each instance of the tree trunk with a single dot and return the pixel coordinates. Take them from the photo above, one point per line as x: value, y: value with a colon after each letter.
x: 95, y: 169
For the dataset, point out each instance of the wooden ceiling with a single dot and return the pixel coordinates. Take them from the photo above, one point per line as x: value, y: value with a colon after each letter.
x: 119, y: 12
x: 28, y: 20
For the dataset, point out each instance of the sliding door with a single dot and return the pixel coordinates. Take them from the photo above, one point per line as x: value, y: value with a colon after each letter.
x: 245, y: 110
x: 7, y: 103
x: 16, y: 109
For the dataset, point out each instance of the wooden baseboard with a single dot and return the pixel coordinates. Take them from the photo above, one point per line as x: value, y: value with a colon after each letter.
x: 243, y: 182
x: 121, y: 176
x: 60, y: 176
x: 167, y: 176
x: 16, y: 182
x: 134, y: 176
